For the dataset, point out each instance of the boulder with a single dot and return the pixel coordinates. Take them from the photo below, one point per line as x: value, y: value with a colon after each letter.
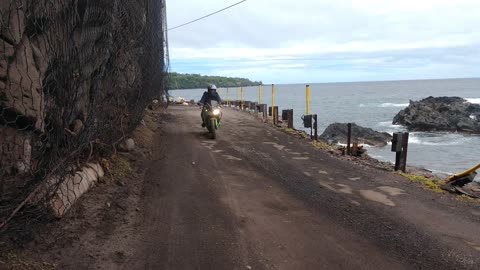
x: 127, y: 146
x: 337, y: 133
x: 440, y: 114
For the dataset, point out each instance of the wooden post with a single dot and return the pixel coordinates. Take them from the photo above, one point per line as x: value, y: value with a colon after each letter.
x: 398, y: 158
x: 315, y: 127
x: 403, y: 158
x: 275, y: 115
x: 349, y: 138
x: 290, y: 119
x: 273, y: 100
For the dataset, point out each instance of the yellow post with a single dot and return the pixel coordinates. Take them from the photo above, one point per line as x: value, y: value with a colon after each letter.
x: 242, y: 97
x: 228, y: 102
x: 260, y: 94
x: 307, y: 94
x: 273, y: 98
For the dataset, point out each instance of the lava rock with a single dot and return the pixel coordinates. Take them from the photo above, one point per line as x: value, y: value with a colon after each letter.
x: 337, y: 133
x: 440, y: 114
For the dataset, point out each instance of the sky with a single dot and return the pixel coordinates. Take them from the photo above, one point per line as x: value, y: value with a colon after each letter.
x: 310, y: 41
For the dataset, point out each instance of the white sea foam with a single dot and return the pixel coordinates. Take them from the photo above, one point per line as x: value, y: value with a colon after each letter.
x: 389, y: 124
x: 473, y: 100
x: 448, y: 140
x: 389, y: 105
x: 414, y: 140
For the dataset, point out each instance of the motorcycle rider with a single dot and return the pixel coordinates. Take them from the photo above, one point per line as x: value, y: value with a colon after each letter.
x: 208, y: 96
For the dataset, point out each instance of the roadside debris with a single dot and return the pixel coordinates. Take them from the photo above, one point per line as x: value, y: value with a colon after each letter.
x: 464, y: 185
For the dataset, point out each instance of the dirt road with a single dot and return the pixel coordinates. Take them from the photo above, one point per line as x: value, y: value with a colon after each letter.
x: 258, y: 198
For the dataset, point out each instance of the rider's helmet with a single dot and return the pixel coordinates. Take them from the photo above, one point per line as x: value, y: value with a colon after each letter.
x: 212, y: 88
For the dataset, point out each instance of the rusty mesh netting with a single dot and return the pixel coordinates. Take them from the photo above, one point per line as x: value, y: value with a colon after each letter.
x: 75, y: 79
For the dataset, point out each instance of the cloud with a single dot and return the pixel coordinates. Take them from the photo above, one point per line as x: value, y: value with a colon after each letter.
x: 349, y: 40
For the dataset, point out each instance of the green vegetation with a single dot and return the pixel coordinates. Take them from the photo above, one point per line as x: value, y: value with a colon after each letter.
x: 429, y: 183
x: 14, y: 262
x: 119, y: 167
x: 192, y: 81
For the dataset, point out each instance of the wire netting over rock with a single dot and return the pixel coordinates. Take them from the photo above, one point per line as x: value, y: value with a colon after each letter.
x: 75, y: 79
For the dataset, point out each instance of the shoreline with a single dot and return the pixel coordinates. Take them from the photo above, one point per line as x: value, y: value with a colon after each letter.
x: 336, y: 151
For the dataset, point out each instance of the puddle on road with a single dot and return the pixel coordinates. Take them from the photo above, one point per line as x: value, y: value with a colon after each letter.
x: 340, y: 187
x: 377, y: 197
x: 345, y: 189
x: 355, y: 203
x: 392, y: 191
x: 208, y: 144
x: 327, y: 186
x: 276, y: 145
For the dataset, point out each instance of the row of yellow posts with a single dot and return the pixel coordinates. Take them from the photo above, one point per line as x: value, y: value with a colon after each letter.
x: 307, y: 108
x: 241, y: 96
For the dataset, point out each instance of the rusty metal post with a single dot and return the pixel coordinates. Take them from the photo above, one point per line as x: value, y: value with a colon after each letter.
x: 403, y: 158
x: 349, y: 138
x: 290, y: 119
x: 315, y: 127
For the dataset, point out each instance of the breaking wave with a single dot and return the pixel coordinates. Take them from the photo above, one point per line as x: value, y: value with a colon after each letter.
x: 473, y: 100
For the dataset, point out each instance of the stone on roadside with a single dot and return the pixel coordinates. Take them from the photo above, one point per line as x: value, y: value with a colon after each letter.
x: 127, y: 146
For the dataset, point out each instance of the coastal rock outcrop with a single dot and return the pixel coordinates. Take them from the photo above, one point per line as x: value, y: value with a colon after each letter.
x: 337, y: 133
x: 440, y: 114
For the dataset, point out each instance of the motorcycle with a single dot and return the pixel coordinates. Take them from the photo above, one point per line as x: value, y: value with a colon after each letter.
x: 212, y: 114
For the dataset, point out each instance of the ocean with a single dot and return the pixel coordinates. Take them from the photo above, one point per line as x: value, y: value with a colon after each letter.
x: 373, y: 105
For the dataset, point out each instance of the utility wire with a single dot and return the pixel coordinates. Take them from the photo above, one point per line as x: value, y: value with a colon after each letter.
x: 206, y: 16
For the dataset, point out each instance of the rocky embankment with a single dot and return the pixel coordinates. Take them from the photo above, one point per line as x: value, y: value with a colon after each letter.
x: 440, y: 114
x: 337, y: 133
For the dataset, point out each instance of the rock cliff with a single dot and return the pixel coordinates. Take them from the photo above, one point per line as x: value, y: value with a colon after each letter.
x: 75, y: 78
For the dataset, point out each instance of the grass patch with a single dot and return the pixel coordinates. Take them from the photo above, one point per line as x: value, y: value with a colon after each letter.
x: 119, y: 167
x: 149, y: 122
x: 11, y: 261
x: 466, y: 197
x: 429, y: 183
x: 321, y: 145
x: 143, y: 136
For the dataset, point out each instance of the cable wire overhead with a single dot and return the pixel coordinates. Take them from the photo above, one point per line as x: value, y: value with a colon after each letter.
x: 206, y: 16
